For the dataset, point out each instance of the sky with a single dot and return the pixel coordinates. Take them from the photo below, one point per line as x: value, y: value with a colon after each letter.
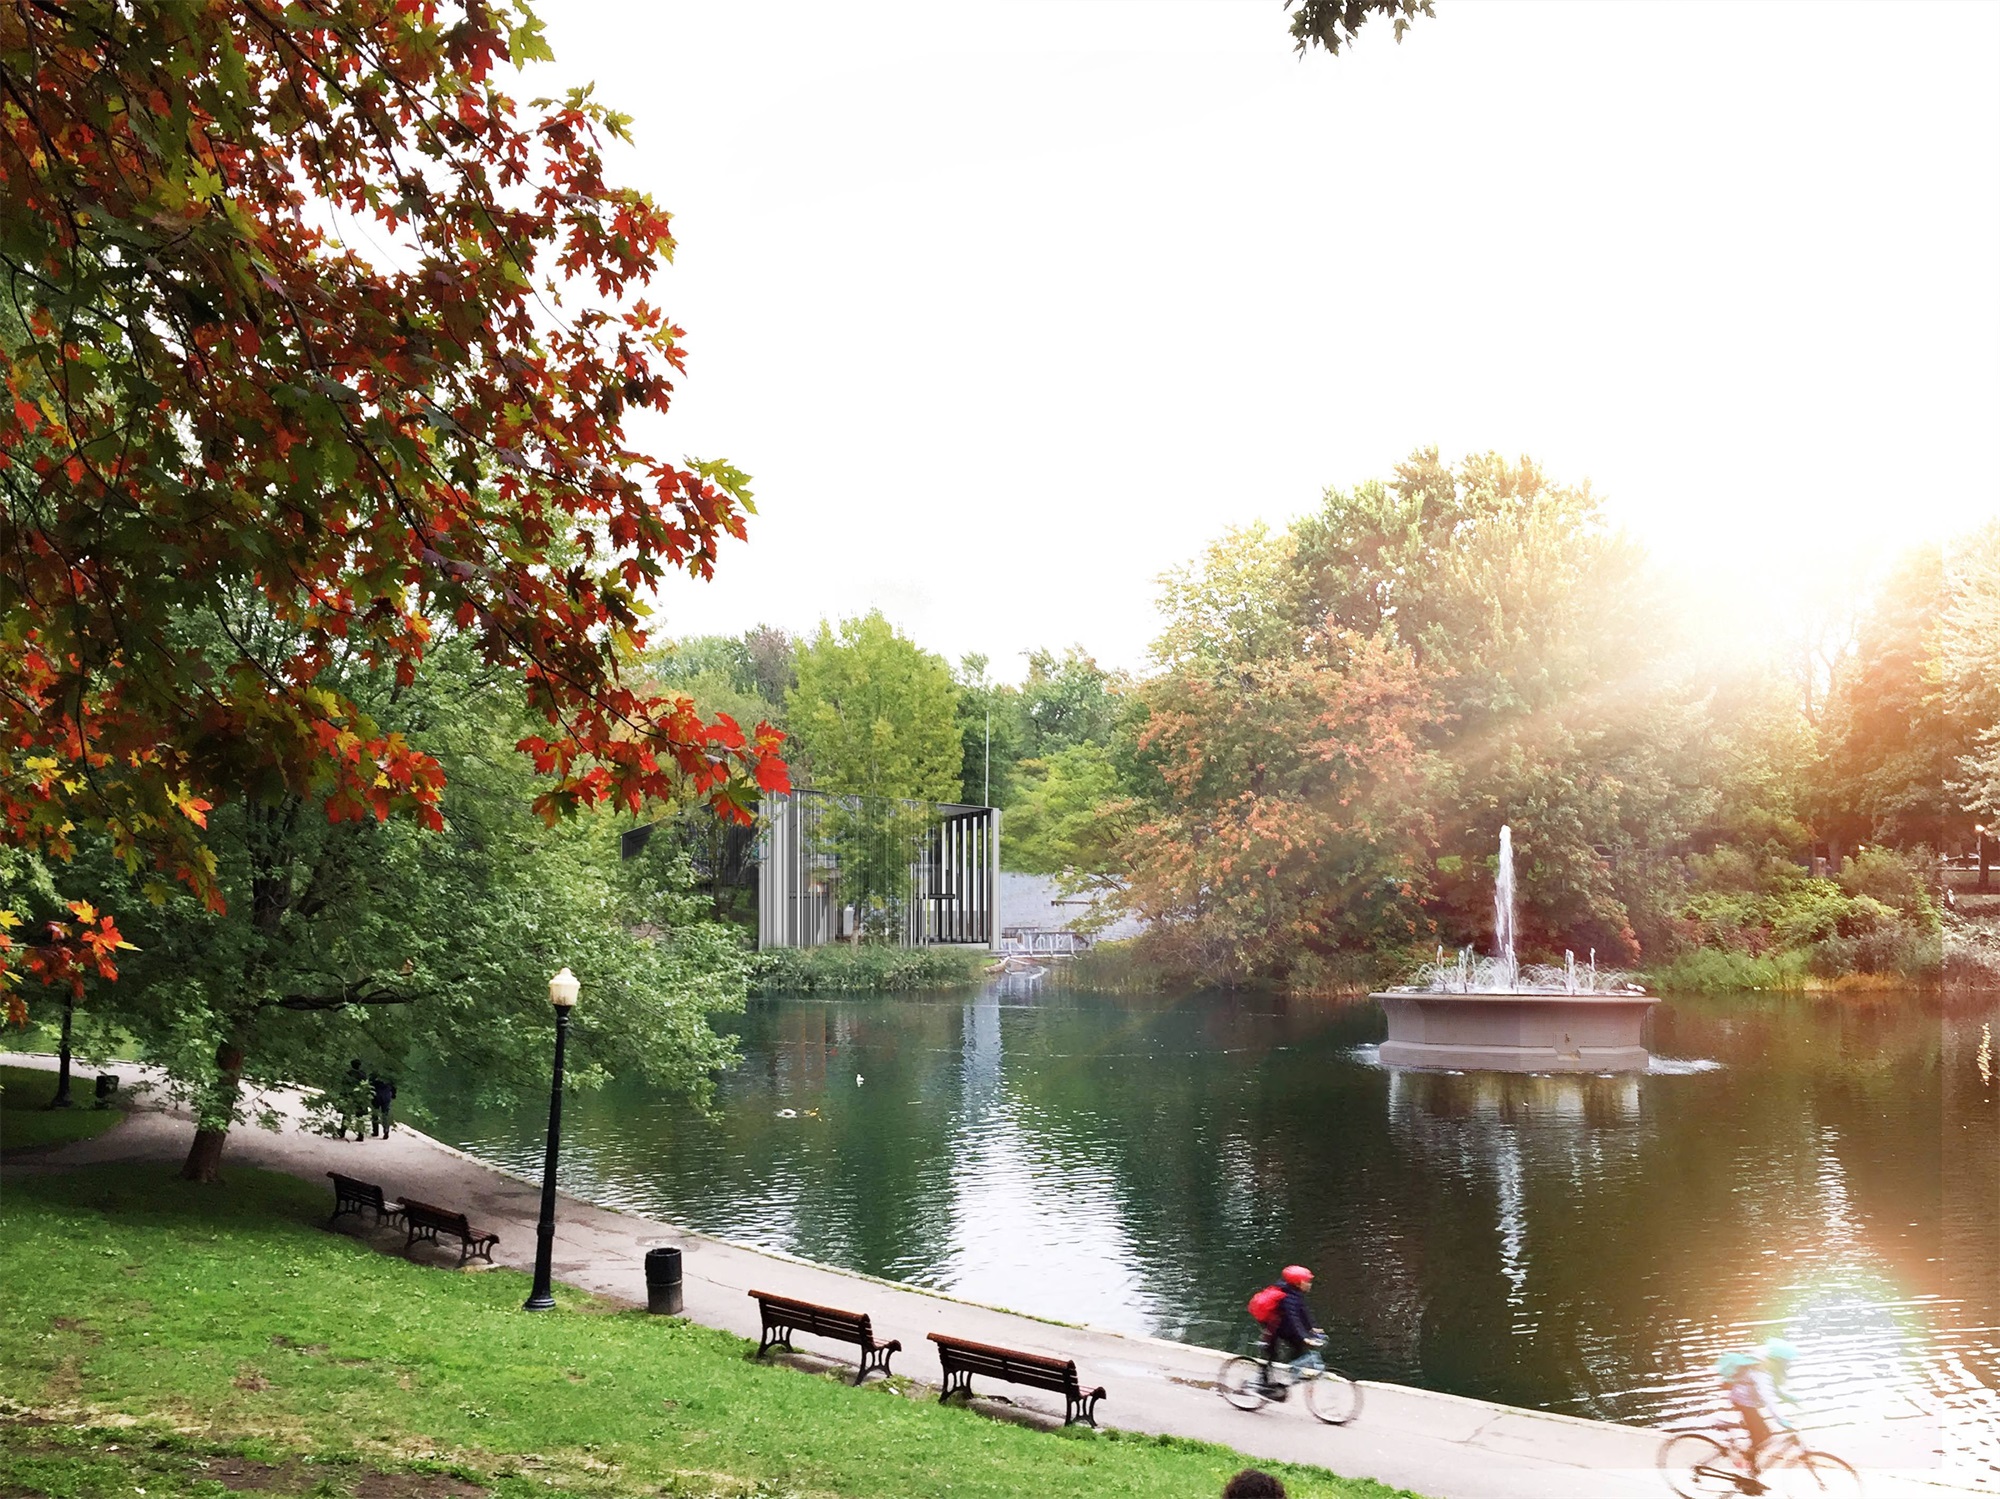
x: 1008, y: 308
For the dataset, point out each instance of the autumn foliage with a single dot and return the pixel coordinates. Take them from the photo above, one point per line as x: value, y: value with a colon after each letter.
x: 320, y: 346
x: 1296, y: 821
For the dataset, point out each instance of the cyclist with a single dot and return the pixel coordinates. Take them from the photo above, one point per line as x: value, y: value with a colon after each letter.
x: 1288, y: 1323
x: 1754, y: 1383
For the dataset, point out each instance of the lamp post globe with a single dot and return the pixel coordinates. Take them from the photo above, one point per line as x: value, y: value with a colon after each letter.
x: 563, y: 990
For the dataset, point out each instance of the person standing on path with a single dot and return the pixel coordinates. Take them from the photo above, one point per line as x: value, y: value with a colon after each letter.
x: 355, y: 1096
x: 382, y: 1093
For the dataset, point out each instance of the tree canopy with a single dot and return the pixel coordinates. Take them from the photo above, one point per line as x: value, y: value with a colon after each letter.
x: 1310, y: 786
x: 872, y: 714
x: 321, y: 350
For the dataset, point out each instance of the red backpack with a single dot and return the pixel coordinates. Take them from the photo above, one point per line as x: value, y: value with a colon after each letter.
x: 1264, y: 1305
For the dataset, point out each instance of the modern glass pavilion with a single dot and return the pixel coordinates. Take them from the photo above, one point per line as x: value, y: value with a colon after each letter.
x: 921, y: 874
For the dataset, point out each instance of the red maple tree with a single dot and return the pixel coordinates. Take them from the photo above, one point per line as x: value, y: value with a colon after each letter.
x: 307, y: 321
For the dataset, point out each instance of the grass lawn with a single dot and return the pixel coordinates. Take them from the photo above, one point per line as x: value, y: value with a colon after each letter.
x: 161, y: 1339
x: 26, y: 1122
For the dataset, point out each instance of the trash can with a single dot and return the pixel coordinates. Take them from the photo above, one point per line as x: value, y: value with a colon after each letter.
x: 663, y: 1281
x: 107, y: 1084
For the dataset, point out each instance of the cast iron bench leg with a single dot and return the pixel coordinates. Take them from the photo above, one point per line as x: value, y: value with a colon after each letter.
x: 877, y: 1359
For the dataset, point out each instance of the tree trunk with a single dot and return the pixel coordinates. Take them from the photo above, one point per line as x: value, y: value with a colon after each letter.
x: 204, y: 1158
x: 61, y: 1100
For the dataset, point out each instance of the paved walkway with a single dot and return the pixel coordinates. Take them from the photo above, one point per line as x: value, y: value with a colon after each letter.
x: 1442, y: 1446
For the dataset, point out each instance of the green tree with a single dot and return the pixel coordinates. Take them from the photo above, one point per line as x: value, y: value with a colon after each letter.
x: 1066, y: 700
x: 1070, y: 815
x: 875, y: 715
x: 989, y: 732
x: 875, y: 719
x: 1553, y: 651
x: 727, y: 674
x: 380, y: 940
x: 1893, y: 740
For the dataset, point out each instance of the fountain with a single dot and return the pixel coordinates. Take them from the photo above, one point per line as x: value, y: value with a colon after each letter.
x: 1498, y: 1015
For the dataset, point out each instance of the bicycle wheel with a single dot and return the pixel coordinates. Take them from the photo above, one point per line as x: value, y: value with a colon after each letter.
x: 1239, y: 1383
x: 1814, y: 1475
x: 1698, y: 1467
x: 1333, y: 1397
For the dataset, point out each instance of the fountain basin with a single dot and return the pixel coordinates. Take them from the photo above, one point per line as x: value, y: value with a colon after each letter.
x: 1516, y: 1032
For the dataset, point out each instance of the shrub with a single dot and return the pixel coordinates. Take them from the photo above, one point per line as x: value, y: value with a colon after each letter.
x: 1721, y: 917
x: 1811, y: 911
x: 1896, y: 880
x: 1727, y: 869
x: 1710, y: 970
x: 1129, y: 967
x: 872, y: 968
x: 1971, y: 956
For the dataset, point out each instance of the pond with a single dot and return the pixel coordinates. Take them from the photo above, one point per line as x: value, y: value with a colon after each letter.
x: 1825, y: 1168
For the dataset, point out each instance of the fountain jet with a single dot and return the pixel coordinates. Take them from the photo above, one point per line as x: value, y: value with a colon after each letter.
x: 1502, y: 1015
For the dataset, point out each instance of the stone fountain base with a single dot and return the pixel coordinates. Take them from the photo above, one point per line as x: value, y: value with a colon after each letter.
x: 1517, y: 1032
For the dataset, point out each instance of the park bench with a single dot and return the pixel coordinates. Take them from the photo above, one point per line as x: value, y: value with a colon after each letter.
x: 783, y: 1316
x: 427, y: 1222
x: 351, y: 1196
x: 962, y: 1360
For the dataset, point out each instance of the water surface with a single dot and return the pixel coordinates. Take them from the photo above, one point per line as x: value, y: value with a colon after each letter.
x: 1824, y: 1168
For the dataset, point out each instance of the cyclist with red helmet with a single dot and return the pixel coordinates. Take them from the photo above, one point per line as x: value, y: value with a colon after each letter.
x: 1289, y: 1329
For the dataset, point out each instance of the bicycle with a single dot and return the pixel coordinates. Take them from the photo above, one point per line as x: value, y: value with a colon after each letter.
x: 1329, y: 1394
x: 1699, y: 1466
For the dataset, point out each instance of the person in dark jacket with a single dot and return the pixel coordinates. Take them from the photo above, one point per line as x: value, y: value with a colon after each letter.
x: 381, y: 1094
x: 353, y: 1100
x: 1293, y: 1331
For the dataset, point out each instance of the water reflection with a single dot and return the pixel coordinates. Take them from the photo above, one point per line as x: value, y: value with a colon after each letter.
x: 1471, y: 1126
x: 1828, y: 1169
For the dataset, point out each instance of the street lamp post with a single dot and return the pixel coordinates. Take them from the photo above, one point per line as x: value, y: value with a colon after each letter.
x: 562, y: 994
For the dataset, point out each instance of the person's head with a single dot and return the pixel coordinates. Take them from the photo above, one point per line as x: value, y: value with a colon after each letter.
x: 1253, y: 1483
x: 1732, y: 1364
x: 1778, y: 1355
x: 355, y: 1065
x: 1298, y: 1277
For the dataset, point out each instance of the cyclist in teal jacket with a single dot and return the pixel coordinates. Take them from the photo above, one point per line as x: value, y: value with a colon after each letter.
x: 1755, y: 1383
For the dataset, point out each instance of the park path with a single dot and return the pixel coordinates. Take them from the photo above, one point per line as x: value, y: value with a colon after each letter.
x: 1442, y: 1446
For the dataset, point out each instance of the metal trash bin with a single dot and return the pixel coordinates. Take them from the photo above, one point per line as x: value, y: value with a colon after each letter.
x: 107, y: 1084
x: 663, y: 1281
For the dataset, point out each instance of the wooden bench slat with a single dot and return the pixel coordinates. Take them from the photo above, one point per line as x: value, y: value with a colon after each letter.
x: 784, y: 1315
